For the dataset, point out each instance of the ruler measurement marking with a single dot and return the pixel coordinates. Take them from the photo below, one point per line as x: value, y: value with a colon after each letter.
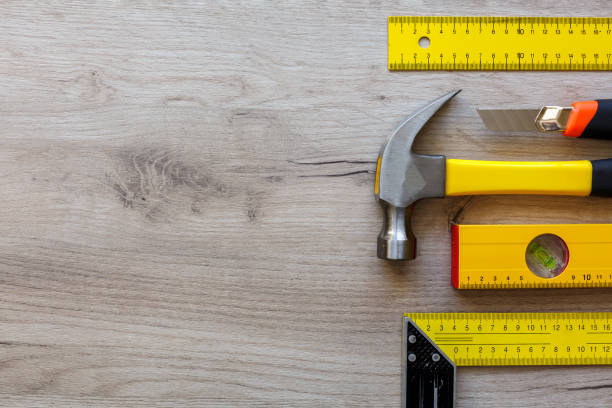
x: 494, y: 344
x: 504, y: 333
x: 571, y: 344
x: 527, y: 36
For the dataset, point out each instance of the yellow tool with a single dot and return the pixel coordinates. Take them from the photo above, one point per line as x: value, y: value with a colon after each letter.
x: 492, y: 339
x: 531, y: 256
x: 434, y: 344
x: 500, y: 43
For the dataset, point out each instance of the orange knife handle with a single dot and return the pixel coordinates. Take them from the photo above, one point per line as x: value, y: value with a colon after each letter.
x: 590, y: 119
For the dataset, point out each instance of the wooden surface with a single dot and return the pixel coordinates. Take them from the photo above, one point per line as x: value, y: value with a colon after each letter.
x: 187, y: 212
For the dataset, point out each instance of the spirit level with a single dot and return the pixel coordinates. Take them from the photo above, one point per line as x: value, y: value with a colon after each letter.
x: 500, y: 43
x: 531, y: 256
x: 434, y: 344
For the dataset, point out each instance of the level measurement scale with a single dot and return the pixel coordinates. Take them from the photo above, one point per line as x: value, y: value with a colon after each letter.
x: 500, y: 43
x: 435, y: 344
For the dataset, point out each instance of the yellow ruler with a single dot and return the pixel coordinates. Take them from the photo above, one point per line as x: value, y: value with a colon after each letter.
x: 500, y: 43
x: 516, y: 257
x: 434, y: 344
x: 500, y: 339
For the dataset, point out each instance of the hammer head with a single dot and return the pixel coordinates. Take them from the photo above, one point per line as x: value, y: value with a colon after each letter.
x: 403, y: 177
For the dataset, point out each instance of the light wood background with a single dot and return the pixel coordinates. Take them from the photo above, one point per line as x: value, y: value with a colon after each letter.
x: 187, y: 214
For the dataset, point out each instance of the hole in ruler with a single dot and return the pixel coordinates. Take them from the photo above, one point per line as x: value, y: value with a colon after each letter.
x: 547, y: 256
x: 424, y: 42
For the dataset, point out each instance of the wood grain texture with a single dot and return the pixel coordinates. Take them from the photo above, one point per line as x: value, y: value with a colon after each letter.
x: 187, y: 211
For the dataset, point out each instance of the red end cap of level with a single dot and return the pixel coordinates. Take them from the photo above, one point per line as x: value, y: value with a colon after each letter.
x: 455, y: 256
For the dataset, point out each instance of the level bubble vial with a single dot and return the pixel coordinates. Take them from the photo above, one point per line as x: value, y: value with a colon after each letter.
x: 547, y: 256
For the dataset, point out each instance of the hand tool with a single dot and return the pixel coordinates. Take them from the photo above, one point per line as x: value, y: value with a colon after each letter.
x: 403, y: 177
x: 531, y: 256
x: 434, y: 344
x: 592, y: 119
x: 499, y: 43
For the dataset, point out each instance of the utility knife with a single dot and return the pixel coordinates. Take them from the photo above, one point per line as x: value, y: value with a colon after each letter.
x: 587, y: 119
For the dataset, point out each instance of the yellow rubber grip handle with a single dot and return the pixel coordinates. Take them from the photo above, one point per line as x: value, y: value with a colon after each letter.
x: 467, y: 177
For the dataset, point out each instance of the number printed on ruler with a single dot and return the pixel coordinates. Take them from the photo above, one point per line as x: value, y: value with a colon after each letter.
x: 500, y: 43
x: 477, y: 339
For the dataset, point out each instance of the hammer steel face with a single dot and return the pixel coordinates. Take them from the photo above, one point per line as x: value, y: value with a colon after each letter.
x: 403, y: 177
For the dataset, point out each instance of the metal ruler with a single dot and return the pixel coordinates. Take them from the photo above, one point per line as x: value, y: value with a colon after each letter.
x: 434, y: 344
x: 493, y: 339
x: 514, y: 257
x: 500, y: 43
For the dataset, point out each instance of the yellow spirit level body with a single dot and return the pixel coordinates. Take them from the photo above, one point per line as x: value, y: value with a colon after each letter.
x: 494, y: 256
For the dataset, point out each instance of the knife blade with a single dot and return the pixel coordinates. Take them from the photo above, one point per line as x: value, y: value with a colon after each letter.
x: 509, y: 120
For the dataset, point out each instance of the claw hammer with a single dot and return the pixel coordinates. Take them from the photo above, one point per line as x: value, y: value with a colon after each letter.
x: 403, y: 177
